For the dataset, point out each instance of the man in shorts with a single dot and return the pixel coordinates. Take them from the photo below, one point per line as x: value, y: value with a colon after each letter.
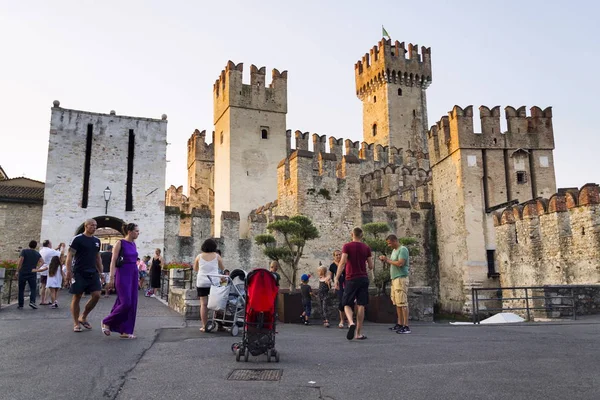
x: 356, y: 257
x: 84, y: 267
x: 399, y: 265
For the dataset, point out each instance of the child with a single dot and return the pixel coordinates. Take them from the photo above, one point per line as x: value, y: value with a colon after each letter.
x: 63, y: 258
x: 324, y: 285
x: 306, y: 292
x: 274, y: 267
x: 142, y: 273
x: 55, y: 278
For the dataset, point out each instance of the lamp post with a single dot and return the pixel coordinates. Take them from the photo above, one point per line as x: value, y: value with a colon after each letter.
x: 107, y: 193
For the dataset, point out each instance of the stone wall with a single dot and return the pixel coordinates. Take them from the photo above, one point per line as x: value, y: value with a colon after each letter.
x: 551, y: 242
x: 341, y: 191
x: 64, y: 212
x: 19, y: 224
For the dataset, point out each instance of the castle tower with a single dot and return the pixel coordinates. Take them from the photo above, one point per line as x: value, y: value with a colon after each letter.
x: 475, y: 174
x: 250, y: 140
x: 392, y: 88
x: 105, y: 166
x: 200, y: 162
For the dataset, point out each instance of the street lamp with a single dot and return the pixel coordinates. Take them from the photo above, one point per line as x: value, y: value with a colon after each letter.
x: 107, y: 193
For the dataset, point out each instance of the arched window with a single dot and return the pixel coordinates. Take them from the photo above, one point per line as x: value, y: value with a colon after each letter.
x: 374, y: 129
x: 399, y: 91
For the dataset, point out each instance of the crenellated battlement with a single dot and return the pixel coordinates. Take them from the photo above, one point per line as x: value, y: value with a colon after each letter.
x: 394, y: 63
x: 524, y: 132
x: 336, y: 148
x: 563, y: 200
x: 229, y: 90
x: 198, y: 149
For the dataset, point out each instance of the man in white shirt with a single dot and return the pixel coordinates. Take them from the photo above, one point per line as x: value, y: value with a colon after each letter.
x: 47, y: 253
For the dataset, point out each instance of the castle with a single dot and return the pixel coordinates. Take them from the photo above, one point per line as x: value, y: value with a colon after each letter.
x: 451, y: 188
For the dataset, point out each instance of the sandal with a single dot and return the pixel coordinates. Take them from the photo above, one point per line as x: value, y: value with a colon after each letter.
x: 127, y: 336
x: 105, y: 329
x: 202, y: 330
x: 77, y: 329
x: 361, y: 337
x: 326, y: 324
x: 85, y: 324
x: 341, y: 325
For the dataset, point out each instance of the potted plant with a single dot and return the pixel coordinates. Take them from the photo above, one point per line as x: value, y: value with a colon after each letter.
x: 296, y: 232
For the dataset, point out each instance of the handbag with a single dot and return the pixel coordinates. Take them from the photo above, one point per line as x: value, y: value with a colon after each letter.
x: 120, y: 261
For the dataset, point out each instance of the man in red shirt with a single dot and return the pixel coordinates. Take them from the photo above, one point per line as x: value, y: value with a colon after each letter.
x: 356, y: 256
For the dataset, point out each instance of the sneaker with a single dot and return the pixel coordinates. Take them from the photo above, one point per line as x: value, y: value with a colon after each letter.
x: 152, y: 295
x: 306, y: 323
x: 54, y: 305
x: 404, y: 329
x: 33, y: 305
x: 395, y: 327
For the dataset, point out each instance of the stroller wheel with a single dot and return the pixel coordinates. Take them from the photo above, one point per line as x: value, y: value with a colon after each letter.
x: 210, y: 326
x: 234, y: 347
x: 246, y: 355
x: 276, y: 355
x: 235, y: 330
x: 238, y: 354
x: 269, y: 355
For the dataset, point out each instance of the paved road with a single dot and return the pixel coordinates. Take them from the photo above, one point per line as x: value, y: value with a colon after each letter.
x: 41, y: 358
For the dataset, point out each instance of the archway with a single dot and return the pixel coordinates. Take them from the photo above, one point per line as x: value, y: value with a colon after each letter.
x: 108, y: 230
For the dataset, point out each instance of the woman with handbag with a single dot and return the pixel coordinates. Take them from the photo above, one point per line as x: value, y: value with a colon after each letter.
x: 124, y: 278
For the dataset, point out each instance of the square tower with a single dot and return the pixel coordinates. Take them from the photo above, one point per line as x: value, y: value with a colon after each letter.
x: 250, y: 140
x: 476, y: 173
x: 392, y: 89
x: 108, y: 167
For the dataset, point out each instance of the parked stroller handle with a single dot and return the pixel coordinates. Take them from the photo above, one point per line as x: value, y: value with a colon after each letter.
x: 218, y: 279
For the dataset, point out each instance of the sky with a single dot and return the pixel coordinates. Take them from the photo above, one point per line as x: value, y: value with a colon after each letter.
x: 146, y: 58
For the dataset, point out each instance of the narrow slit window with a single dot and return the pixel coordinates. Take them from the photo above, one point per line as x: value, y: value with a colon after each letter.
x: 264, y: 133
x: 374, y: 99
x: 521, y: 177
x: 87, y: 165
x: 374, y: 129
x: 129, y: 187
x: 400, y: 92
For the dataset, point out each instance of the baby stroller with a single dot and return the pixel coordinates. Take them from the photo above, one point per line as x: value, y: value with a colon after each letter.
x: 259, y: 320
x: 226, y: 302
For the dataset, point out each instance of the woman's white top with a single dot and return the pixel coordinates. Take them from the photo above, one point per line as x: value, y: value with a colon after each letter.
x: 207, y: 267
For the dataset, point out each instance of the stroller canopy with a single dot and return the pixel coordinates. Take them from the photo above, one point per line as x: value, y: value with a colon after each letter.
x: 261, y: 290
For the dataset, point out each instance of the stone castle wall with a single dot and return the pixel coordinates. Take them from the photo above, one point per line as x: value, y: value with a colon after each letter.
x: 552, y: 241
x: 342, y: 188
x: 19, y: 224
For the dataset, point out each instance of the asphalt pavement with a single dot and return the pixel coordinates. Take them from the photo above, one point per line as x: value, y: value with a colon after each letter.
x: 42, y: 358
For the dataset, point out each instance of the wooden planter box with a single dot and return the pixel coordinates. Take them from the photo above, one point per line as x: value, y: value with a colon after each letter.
x: 381, y: 310
x: 289, y: 306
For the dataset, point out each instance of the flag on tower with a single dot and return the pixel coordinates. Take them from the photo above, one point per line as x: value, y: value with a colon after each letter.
x: 384, y: 32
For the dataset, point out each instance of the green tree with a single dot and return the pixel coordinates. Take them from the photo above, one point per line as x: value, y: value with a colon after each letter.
x: 296, y: 232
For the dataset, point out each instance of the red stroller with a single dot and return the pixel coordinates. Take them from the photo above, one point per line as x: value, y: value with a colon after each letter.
x: 259, y: 319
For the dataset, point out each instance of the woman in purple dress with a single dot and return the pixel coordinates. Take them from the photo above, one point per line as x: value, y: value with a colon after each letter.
x: 125, y: 280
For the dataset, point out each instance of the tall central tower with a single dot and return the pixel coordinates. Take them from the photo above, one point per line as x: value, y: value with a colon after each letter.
x: 250, y: 140
x: 392, y: 90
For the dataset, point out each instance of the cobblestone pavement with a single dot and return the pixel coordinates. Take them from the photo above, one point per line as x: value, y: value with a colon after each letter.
x: 42, y: 358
